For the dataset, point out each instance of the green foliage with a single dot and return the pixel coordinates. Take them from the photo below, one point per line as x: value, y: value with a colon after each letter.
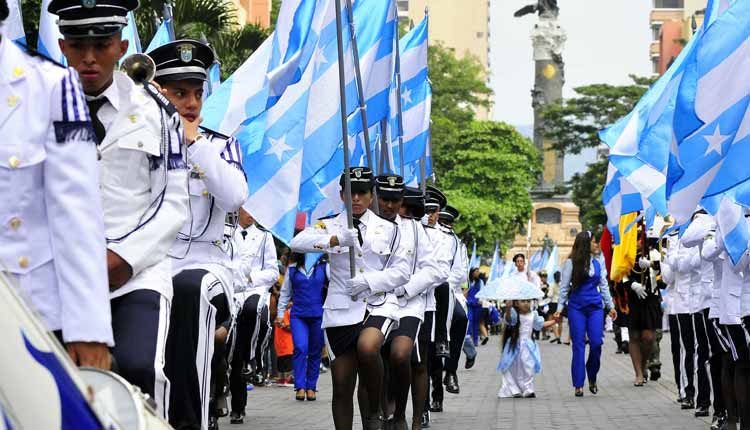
x: 586, y: 191
x: 30, y: 10
x: 575, y: 123
x: 275, y: 7
x: 487, y: 174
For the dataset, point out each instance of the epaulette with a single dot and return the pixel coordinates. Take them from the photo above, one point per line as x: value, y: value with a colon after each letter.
x: 328, y: 217
x: 215, y: 133
x: 37, y: 54
x: 389, y: 220
x: 428, y: 226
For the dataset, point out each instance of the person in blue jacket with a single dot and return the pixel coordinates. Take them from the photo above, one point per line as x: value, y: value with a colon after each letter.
x: 584, y: 290
x: 307, y: 291
x: 474, y: 305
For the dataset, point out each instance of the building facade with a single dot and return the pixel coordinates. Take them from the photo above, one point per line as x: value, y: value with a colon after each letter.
x: 672, y: 24
x: 254, y: 12
x: 463, y: 26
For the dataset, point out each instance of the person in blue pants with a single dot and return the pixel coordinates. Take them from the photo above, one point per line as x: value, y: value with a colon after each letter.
x: 306, y: 290
x: 474, y: 305
x: 585, y: 292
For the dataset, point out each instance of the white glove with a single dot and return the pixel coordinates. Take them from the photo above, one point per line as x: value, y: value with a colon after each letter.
x: 358, y: 288
x: 639, y: 290
x: 399, y: 291
x: 643, y: 263
x: 348, y: 237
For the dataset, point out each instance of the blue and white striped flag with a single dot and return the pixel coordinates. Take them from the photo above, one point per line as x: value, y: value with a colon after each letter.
x: 496, y: 267
x: 734, y: 229
x: 275, y: 169
x: 49, y: 34
x: 13, y: 25
x: 552, y: 263
x: 620, y: 197
x: 161, y: 37
x: 130, y: 33
x: 508, y: 268
x: 712, y: 116
x: 416, y: 95
x: 474, y: 260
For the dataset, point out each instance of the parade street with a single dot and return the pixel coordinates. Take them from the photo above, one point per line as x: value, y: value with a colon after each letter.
x: 618, y: 405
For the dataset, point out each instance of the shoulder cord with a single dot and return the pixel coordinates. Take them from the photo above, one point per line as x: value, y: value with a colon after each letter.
x: 416, y: 246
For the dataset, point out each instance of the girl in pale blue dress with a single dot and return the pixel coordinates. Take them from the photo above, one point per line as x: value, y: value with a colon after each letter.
x: 521, y: 359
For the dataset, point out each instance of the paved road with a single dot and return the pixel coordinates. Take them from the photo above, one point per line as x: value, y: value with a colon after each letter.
x: 618, y: 406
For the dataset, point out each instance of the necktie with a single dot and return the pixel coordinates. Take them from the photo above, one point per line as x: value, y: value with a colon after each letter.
x: 94, y: 106
x: 244, y: 234
x: 358, y: 223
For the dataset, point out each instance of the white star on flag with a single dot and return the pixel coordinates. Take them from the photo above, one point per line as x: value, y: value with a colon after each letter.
x: 319, y: 57
x: 406, y: 96
x: 715, y: 141
x: 278, y: 147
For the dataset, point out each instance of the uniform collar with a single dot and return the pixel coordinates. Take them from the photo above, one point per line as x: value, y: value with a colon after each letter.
x: 366, y: 218
x: 111, y: 93
x: 11, y: 58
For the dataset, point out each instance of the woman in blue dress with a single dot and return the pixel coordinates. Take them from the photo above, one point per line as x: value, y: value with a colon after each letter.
x: 585, y: 292
x: 306, y: 289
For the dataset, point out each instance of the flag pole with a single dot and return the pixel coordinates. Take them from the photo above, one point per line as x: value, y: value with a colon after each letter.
x: 423, y: 161
x: 168, y: 18
x: 400, y: 109
x: 345, y: 132
x: 385, y: 146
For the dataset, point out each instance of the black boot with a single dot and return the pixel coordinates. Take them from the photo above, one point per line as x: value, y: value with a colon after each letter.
x: 425, y: 419
x: 451, y: 383
x: 237, y: 417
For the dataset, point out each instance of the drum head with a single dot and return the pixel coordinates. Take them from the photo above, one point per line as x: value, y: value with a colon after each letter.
x: 115, y: 399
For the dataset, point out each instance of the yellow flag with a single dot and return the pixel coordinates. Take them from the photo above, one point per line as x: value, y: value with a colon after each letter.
x: 623, y: 255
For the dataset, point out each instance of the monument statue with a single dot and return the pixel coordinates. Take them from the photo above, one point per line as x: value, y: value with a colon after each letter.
x: 548, y: 40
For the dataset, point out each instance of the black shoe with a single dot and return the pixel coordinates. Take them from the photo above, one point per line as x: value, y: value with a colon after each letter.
x: 719, y: 422
x: 593, y: 388
x: 237, y: 417
x: 680, y: 399
x: 247, y: 375
x: 436, y: 407
x: 425, y: 419
x: 485, y: 340
x: 701, y: 411
x: 625, y: 347
x: 373, y: 423
x: 655, y: 374
x: 687, y: 404
x: 451, y: 383
x: 259, y: 380
x: 442, y: 349
x: 531, y: 395
x: 470, y: 362
x: 213, y: 423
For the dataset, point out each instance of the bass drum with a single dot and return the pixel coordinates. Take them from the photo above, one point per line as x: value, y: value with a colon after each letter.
x: 119, y: 404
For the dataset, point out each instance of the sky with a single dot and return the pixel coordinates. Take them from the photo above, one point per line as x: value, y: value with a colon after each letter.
x: 607, y: 41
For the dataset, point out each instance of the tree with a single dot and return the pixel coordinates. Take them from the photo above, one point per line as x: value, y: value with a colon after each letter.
x: 30, y: 10
x: 487, y: 174
x: 574, y: 124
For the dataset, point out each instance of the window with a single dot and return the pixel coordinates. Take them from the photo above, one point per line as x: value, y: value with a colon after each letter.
x: 656, y: 31
x: 655, y: 65
x: 548, y: 216
x: 669, y: 4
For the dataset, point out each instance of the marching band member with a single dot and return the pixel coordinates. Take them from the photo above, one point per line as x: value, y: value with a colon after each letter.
x: 406, y: 303
x: 201, y: 269
x: 52, y: 236
x: 458, y: 277
x: 354, y: 336
x: 143, y: 182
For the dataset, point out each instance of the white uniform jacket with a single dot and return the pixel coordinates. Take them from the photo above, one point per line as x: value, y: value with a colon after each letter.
x: 681, y: 267
x: 730, y: 294
x: 51, y: 225
x: 459, y: 270
x: 425, y: 273
x: 380, y: 259
x: 217, y: 186
x: 443, y: 254
x: 703, y: 276
x: 143, y: 176
x: 256, y: 265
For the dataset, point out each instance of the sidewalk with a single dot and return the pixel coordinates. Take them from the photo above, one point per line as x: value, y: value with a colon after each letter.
x: 618, y: 406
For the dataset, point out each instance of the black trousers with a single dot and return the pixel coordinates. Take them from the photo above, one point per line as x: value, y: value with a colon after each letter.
x: 674, y: 337
x: 701, y: 325
x: 244, y: 340
x: 715, y: 365
x: 139, y: 325
x: 186, y: 399
x: 459, y: 324
x: 687, y: 336
x: 435, y: 371
x: 443, y: 296
x: 262, y: 361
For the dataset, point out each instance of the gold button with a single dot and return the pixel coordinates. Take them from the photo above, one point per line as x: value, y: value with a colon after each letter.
x: 359, y: 254
x: 361, y: 270
x: 13, y: 101
x: 140, y: 144
x: 18, y: 72
x: 15, y: 223
x: 14, y: 162
x: 133, y: 119
x: 205, y: 193
x: 23, y: 262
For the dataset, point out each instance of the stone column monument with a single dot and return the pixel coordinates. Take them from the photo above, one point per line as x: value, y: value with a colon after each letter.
x: 554, y: 216
x: 548, y: 39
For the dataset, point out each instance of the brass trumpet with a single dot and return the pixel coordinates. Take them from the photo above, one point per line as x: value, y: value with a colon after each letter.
x: 139, y: 67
